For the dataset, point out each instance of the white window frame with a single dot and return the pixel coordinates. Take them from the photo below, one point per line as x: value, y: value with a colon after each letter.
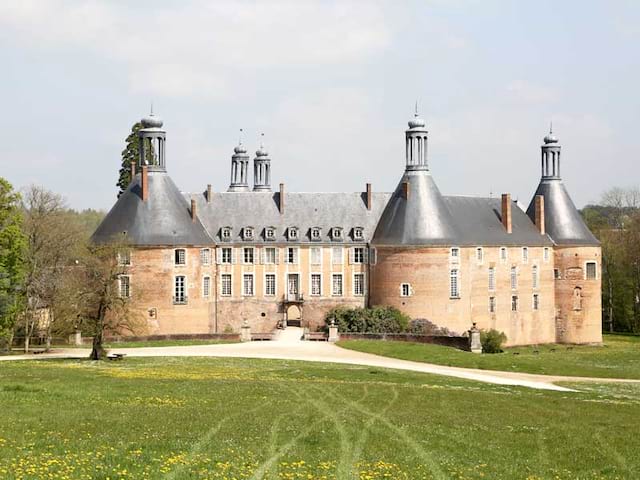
x: 535, y: 277
x: 185, y: 287
x: 222, y: 255
x: 334, y: 259
x: 206, y: 293
x: 454, y: 255
x: 336, y: 234
x: 244, y: 255
x: 311, y: 275
x: 406, y: 290
x: 312, y: 252
x: 358, y: 234
x: 454, y: 292
x: 265, y: 260
x: 355, y: 293
x: 205, y: 256
x: 293, y: 234
x: 491, y: 280
x: 248, y: 234
x: 535, y: 302
x: 253, y: 284
x: 175, y: 253
x: 270, y: 234
x: 595, y: 266
x: 333, y: 289
x: 354, y: 256
x: 546, y: 254
x: 128, y: 282
x: 315, y: 234
x: 124, y: 260
x: 275, y: 284
x: 525, y: 254
x: 222, y: 277
x: 479, y: 255
x: 513, y: 277
x: 296, y: 255
x: 504, y: 258
x: 225, y: 234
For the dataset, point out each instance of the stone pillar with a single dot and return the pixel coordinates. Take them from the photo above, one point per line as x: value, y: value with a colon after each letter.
x: 474, y: 339
x: 77, y: 338
x: 333, y: 332
x: 245, y: 332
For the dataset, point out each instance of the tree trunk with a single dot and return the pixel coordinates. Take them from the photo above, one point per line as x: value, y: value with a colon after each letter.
x: 97, y: 351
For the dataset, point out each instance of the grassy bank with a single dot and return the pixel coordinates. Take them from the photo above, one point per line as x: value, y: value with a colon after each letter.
x: 206, y: 418
x: 618, y: 357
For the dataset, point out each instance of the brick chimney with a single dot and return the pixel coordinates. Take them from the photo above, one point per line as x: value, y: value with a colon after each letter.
x: 144, y: 186
x: 369, y: 195
x: 506, y: 212
x: 194, y: 213
x: 133, y: 171
x: 209, y: 192
x: 540, y: 213
x: 281, y: 199
x: 405, y: 190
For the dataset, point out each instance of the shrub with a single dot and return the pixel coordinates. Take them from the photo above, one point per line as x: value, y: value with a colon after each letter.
x: 368, y: 320
x: 492, y: 340
x: 422, y: 326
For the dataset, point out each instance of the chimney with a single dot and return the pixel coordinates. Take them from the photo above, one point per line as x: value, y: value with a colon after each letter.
x: 133, y: 171
x: 405, y: 190
x: 368, y: 196
x: 193, y: 210
x: 281, y: 198
x: 506, y: 212
x: 144, y: 186
x: 540, y: 213
x: 209, y: 191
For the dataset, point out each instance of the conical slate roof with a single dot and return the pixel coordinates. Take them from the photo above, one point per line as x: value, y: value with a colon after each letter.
x: 163, y: 219
x: 421, y: 219
x: 562, y: 221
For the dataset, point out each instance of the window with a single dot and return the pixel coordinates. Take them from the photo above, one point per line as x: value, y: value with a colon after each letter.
x: 545, y: 254
x: 514, y: 278
x: 577, y: 298
x: 591, y: 271
x: 247, y: 233
x: 504, y: 255
x: 124, y: 258
x: 514, y: 303
x: 373, y: 256
x: 534, y: 276
x: 358, y: 255
x: 336, y: 284
x: 492, y: 278
x: 556, y: 274
x: 525, y: 254
x: 124, y: 286
x: 180, y: 290
x: 454, y: 287
x: 316, y: 284
x: 479, y: 254
x: 205, y: 256
x: 225, y: 255
x: 316, y: 234
x: 270, y: 234
x: 270, y: 284
x: 336, y: 255
x: 358, y: 284
x: 206, y: 286
x: 247, y: 284
x: 225, y: 284
x: 269, y: 255
x: 247, y: 255
x: 405, y: 290
x: 292, y: 233
x: 358, y: 233
x: 336, y: 233
x: 316, y: 256
x: 492, y: 304
x: 455, y: 255
x: 536, y: 301
x: 225, y: 234
x: 180, y: 256
x: 292, y: 255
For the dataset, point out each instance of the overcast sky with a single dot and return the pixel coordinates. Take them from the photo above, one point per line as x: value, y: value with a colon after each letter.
x: 331, y: 85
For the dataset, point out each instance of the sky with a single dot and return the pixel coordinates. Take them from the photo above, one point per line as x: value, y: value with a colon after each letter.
x: 331, y: 84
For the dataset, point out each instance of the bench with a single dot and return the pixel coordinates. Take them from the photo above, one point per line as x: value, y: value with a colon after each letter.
x: 261, y: 337
x: 116, y: 356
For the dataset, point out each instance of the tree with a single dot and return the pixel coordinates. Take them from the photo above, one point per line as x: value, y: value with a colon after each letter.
x: 131, y: 153
x: 12, y: 252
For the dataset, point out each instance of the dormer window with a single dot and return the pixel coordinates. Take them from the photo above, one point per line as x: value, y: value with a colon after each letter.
x: 292, y: 233
x: 336, y: 234
x: 225, y: 234
x: 270, y: 234
x: 247, y: 233
x: 358, y: 234
x: 316, y: 234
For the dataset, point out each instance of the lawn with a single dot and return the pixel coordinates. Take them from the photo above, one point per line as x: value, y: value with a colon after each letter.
x: 208, y: 418
x: 150, y: 343
x: 619, y: 357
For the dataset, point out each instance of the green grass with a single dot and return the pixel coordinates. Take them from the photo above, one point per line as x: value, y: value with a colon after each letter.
x: 208, y: 418
x: 152, y: 343
x: 619, y: 357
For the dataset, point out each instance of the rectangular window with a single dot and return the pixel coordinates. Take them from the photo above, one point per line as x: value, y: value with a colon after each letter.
x: 492, y: 278
x: 556, y: 274
x: 225, y: 284
x: 292, y: 255
x: 206, y: 286
x: 373, y: 256
x: 270, y: 284
x: 536, y: 301
x: 545, y: 254
x: 316, y: 256
x: 125, y: 286
x: 534, y: 276
x: 514, y: 303
x: 455, y: 255
x: 180, y: 289
x: 180, y: 256
x: 358, y: 255
x: 225, y: 255
x: 504, y: 255
x: 336, y: 284
x: 247, y: 255
x: 525, y: 254
x: 316, y: 284
x: 514, y: 278
x: 405, y: 290
x: 479, y: 254
x: 269, y: 255
x: 336, y: 255
x: 591, y: 271
x: 492, y: 304
x: 205, y: 256
x: 124, y: 258
x: 454, y: 287
x: 358, y: 284
x: 247, y: 285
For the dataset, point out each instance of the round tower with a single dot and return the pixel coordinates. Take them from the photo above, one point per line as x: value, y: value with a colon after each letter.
x: 152, y: 143
x: 262, y: 170
x: 416, y: 143
x: 239, y: 169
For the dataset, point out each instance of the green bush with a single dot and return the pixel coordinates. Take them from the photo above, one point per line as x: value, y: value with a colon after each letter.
x: 492, y: 340
x: 368, y: 320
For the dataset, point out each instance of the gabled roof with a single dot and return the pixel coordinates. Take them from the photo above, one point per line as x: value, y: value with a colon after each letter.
x: 563, y: 223
x: 164, y: 219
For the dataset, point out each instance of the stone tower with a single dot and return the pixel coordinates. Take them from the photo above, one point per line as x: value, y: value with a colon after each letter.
x: 262, y: 170
x: 239, y: 169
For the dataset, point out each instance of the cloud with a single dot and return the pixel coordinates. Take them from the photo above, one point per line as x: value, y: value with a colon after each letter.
x: 527, y: 92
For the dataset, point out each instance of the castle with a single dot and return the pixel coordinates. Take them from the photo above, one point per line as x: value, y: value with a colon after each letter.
x: 210, y: 261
